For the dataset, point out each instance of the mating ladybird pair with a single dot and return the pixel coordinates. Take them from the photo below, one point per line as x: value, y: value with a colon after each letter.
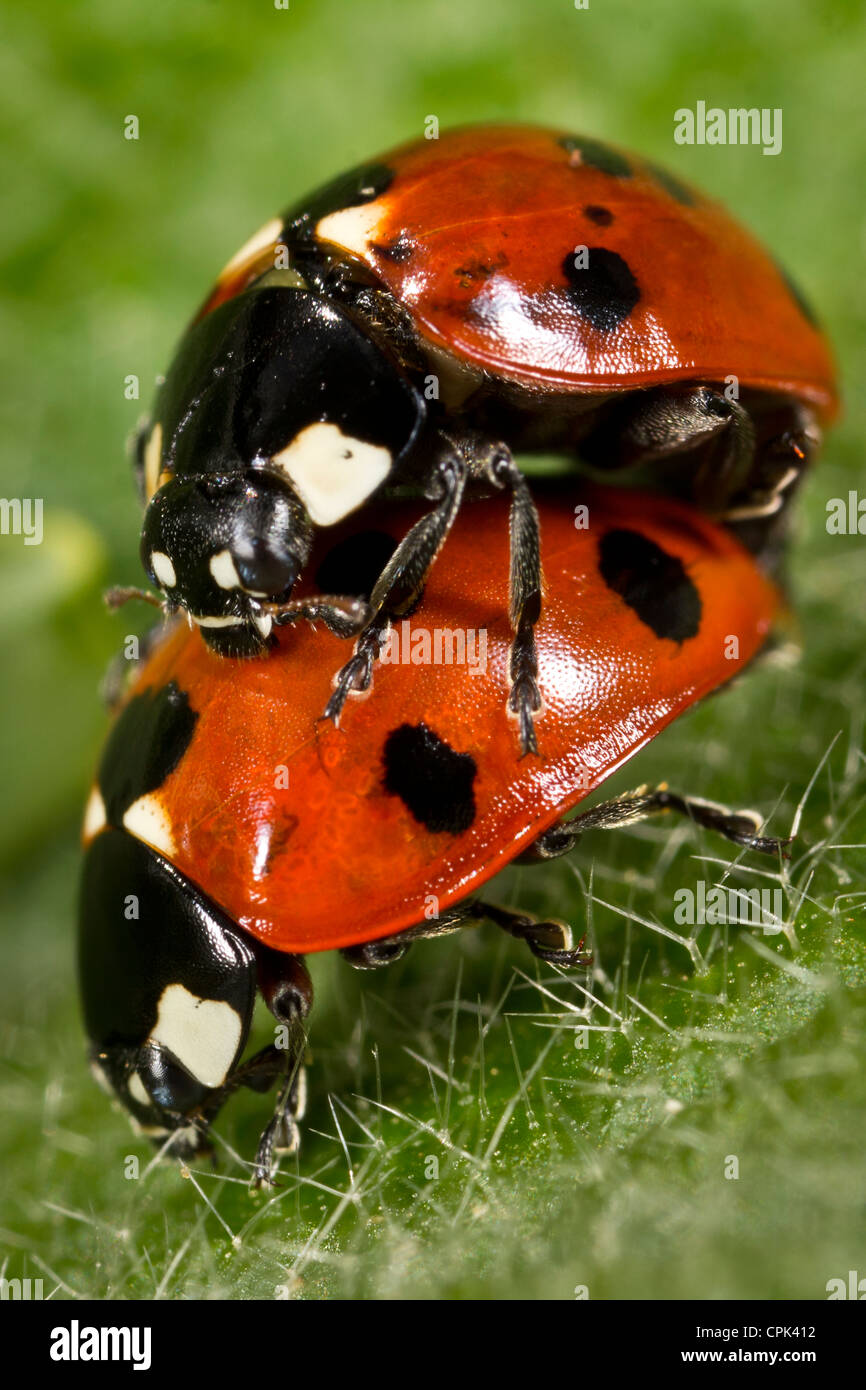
x: 403, y: 331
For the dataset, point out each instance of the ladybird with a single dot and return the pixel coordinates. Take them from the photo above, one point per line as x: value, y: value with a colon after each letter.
x: 231, y: 831
x: 410, y: 324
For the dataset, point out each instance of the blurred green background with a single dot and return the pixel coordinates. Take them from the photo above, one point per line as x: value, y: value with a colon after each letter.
x: 556, y: 1166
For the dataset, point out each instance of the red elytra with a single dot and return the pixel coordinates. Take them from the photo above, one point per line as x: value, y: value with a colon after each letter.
x: 288, y: 823
x: 473, y: 235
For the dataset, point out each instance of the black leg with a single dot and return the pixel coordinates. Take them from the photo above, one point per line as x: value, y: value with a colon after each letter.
x: 357, y: 673
x: 524, y: 591
x: 659, y: 424
x: 287, y: 990
x: 372, y: 955
x: 739, y: 476
x: 259, y: 1073
x: 551, y: 941
x: 400, y: 582
x: 342, y: 616
x: 739, y: 826
x: 281, y: 1135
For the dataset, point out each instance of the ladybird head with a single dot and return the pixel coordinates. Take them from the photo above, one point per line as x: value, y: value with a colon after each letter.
x: 161, y: 1097
x: 226, y: 549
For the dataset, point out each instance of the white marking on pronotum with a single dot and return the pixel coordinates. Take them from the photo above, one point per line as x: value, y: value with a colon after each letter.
x: 353, y: 228
x: 204, y: 620
x: 331, y: 472
x: 135, y: 1086
x: 222, y: 567
x: 152, y: 460
x: 162, y: 567
x: 258, y: 242
x: 203, y: 1034
x: 148, y: 820
x: 95, y: 817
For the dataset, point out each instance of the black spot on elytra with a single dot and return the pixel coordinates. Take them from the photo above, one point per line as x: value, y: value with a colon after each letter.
x: 363, y: 184
x: 283, y: 828
x: 594, y: 154
x: 399, y: 250
x: 653, y: 583
x: 672, y: 185
x: 433, y: 782
x: 353, y: 565
x: 146, y: 744
x: 602, y: 217
x: 605, y: 292
x: 475, y: 270
x: 798, y: 297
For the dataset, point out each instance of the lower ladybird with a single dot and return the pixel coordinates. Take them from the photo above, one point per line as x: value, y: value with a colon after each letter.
x: 230, y: 831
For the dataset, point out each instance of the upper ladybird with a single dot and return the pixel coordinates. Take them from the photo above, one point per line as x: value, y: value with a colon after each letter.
x: 420, y: 318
